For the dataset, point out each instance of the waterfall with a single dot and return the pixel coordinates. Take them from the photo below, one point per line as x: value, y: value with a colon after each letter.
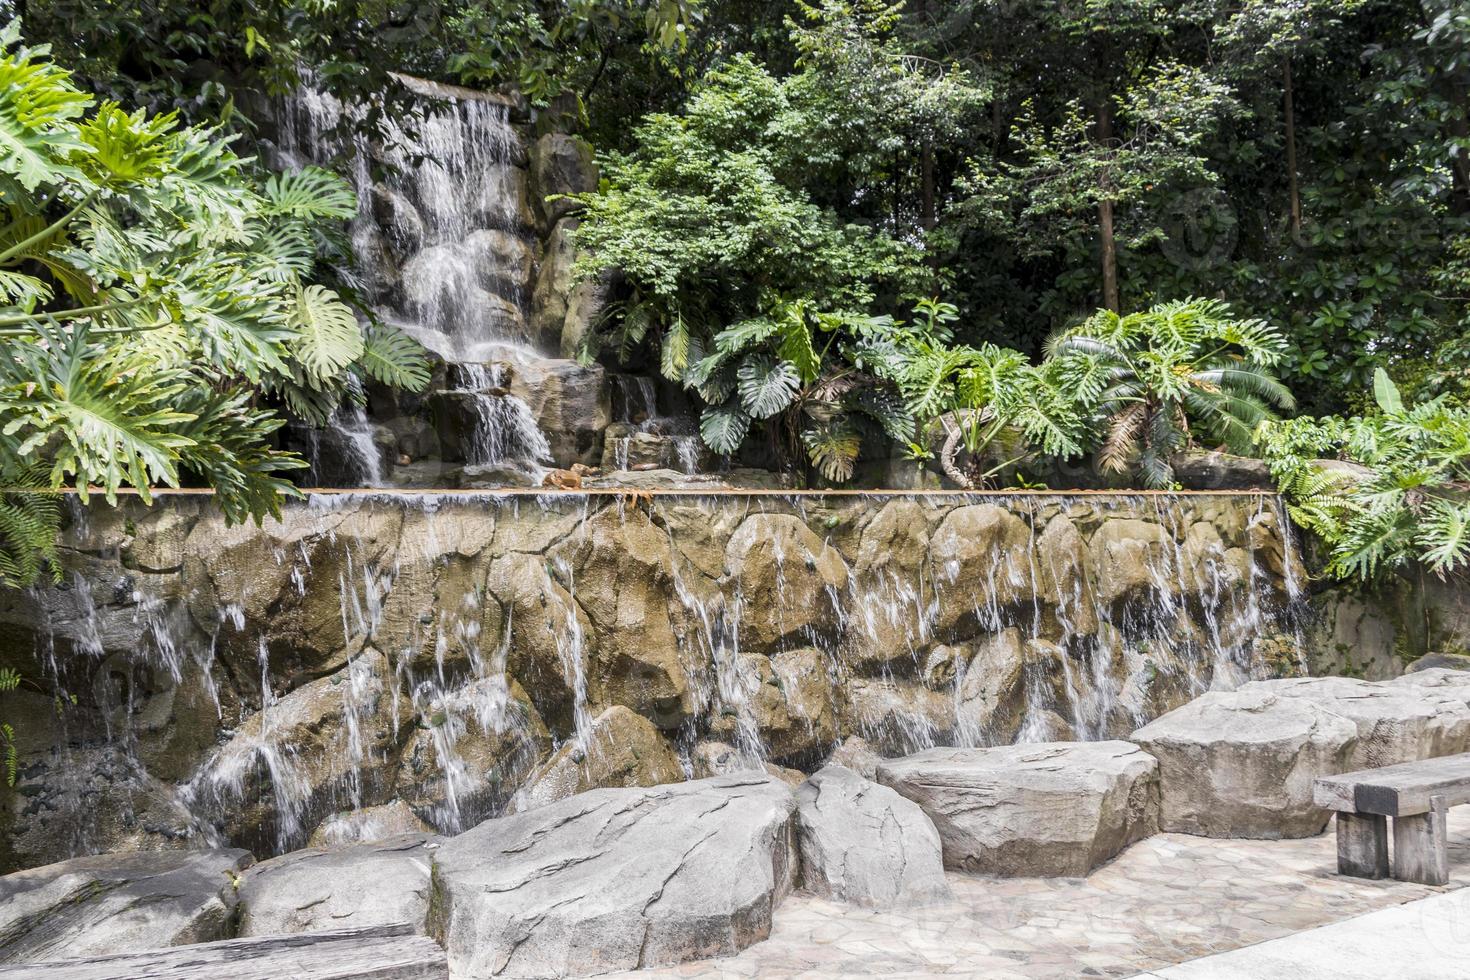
x: 433, y: 650
x: 441, y: 243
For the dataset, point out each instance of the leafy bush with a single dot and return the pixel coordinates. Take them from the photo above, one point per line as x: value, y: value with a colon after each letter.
x: 1155, y: 379
x: 1405, y: 499
x: 152, y: 289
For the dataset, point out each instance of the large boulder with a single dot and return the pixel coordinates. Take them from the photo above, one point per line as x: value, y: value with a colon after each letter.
x: 118, y: 903
x: 981, y: 554
x: 1132, y: 560
x: 328, y: 745
x: 863, y: 843
x: 473, y: 747
x: 350, y: 887
x: 1395, y: 724
x: 623, y: 569
x: 560, y: 165
x: 1241, y: 763
x: 789, y: 698
x: 617, y: 879
x: 622, y: 748
x: 570, y: 402
x: 788, y: 582
x: 1051, y: 809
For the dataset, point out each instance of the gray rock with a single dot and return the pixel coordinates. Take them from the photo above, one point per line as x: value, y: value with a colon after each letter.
x: 617, y: 879
x: 1050, y: 809
x: 1241, y: 763
x: 1203, y: 470
x: 863, y: 843
x: 560, y: 164
x: 1444, y: 661
x: 1395, y: 724
x: 373, y: 823
x: 355, y: 886
x: 118, y: 903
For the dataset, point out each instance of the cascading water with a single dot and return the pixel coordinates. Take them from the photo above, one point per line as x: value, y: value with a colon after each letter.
x: 437, y: 650
x: 441, y: 245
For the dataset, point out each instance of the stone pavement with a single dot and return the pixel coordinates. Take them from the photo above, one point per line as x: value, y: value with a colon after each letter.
x: 1166, y: 900
x: 1425, y: 940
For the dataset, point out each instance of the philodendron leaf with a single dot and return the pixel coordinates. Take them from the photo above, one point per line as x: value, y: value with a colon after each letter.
x: 767, y: 386
x: 723, y: 427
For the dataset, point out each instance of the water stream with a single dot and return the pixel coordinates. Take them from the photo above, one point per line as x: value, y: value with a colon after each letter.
x: 436, y: 649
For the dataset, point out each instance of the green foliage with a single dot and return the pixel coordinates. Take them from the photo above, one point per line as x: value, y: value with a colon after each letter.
x: 1406, y: 501
x: 742, y: 254
x: 148, y: 288
x: 1153, y: 379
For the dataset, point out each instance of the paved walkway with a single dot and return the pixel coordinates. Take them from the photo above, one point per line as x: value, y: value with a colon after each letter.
x: 1165, y: 901
x: 1425, y: 940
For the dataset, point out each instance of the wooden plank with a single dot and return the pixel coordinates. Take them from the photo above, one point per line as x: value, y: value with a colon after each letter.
x: 1362, y: 845
x: 1420, y: 846
x: 393, y: 952
x: 1401, y: 790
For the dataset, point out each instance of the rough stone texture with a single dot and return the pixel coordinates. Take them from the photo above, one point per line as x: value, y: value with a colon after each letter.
x: 622, y: 749
x: 571, y: 405
x: 617, y: 879
x: 475, y: 746
x: 353, y: 886
x: 1442, y: 661
x: 856, y: 754
x: 863, y: 843
x: 560, y: 164
x: 1395, y: 724
x: 488, y: 625
x: 1241, y: 764
x: 989, y: 687
x: 1127, y: 558
x: 1201, y: 470
x: 288, y: 767
x: 788, y: 581
x: 792, y: 698
x: 117, y: 903
x: 980, y: 543
x: 1045, y: 809
x: 372, y: 823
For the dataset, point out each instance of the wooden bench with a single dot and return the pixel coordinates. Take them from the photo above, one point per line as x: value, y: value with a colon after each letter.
x: 393, y: 952
x: 1416, y: 795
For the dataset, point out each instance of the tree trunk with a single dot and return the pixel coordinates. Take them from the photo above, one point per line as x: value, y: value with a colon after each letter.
x: 1105, y: 216
x: 1460, y: 162
x: 1289, y: 106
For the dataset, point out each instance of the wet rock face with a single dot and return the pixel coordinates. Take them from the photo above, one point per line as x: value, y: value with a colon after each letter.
x: 430, y: 653
x: 1049, y: 809
x: 1241, y: 764
x: 622, y: 749
x: 617, y: 879
x: 345, y: 887
x: 118, y: 903
x: 863, y: 843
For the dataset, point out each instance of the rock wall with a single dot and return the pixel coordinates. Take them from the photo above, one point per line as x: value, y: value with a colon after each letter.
x: 465, y: 655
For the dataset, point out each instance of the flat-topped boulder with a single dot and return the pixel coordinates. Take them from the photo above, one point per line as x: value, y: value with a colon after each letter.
x: 617, y: 879
x: 118, y: 903
x: 1241, y: 763
x: 1396, y: 723
x: 354, y: 886
x: 863, y: 843
x: 1049, y: 809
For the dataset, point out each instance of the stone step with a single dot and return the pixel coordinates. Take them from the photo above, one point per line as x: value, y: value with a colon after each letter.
x: 393, y: 952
